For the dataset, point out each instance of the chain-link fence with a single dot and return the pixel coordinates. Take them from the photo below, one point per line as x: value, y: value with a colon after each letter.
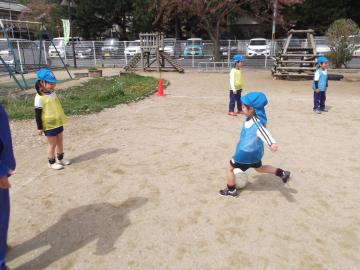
x: 191, y: 54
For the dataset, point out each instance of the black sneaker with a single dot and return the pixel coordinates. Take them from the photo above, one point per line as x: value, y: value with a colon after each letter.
x: 285, y: 177
x: 227, y: 192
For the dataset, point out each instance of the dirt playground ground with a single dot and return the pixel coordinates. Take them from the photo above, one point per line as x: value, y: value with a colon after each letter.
x: 142, y: 192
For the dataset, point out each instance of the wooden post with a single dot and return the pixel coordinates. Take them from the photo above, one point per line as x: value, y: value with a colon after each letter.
x: 287, y: 43
x: 312, y: 42
x: 142, y: 58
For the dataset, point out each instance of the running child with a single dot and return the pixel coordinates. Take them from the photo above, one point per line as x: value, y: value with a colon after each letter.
x: 320, y: 85
x: 250, y: 148
x: 236, y: 85
x: 50, y: 118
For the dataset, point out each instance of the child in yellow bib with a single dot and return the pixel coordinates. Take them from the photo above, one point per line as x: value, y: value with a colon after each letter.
x: 50, y: 117
x: 236, y: 85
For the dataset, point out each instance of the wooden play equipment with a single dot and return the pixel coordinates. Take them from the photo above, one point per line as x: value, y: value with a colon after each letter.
x: 152, y: 53
x: 297, y: 61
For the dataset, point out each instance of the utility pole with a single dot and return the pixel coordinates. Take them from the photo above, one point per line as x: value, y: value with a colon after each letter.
x: 273, y: 26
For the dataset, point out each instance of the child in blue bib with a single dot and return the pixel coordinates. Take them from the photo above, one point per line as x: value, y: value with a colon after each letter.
x: 250, y: 148
x: 320, y: 85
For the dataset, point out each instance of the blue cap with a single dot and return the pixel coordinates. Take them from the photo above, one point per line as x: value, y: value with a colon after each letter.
x: 238, y: 57
x: 46, y: 75
x: 321, y: 59
x: 258, y: 101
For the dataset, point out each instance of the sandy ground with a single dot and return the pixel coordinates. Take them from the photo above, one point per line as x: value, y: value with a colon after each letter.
x: 142, y: 191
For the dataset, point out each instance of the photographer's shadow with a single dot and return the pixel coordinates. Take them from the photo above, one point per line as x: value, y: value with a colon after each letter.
x: 103, y: 222
x: 266, y: 182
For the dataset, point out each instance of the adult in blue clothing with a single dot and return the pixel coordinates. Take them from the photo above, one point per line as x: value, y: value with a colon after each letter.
x: 7, y: 167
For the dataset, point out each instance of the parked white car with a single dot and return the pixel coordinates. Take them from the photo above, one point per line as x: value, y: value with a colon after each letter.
x: 356, y: 52
x: 60, y: 46
x: 169, y: 47
x: 26, y: 52
x: 257, y: 47
x: 132, y: 48
x: 322, y: 49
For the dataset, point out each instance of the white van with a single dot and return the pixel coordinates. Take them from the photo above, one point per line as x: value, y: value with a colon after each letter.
x: 60, y: 46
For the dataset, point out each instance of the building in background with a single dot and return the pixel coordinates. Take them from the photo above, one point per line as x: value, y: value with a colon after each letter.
x: 13, y: 10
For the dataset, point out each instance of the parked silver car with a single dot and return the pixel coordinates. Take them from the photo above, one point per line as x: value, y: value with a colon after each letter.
x: 26, y: 52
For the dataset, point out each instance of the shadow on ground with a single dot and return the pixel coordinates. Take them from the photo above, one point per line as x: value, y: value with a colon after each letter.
x: 103, y: 222
x: 266, y: 182
x: 94, y: 154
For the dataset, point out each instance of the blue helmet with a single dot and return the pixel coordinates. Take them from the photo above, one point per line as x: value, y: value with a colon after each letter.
x: 238, y: 57
x: 46, y: 75
x: 321, y: 59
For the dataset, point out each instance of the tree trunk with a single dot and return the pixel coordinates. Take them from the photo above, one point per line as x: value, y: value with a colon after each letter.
x: 214, y: 34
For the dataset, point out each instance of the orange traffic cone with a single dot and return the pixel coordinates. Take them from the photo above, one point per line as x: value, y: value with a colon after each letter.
x: 160, y: 92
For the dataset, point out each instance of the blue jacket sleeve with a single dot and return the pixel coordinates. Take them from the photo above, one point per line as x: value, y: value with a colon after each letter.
x: 3, y: 168
x: 7, y: 159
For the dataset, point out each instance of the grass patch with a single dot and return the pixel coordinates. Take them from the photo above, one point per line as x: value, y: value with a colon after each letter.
x: 13, y: 85
x: 92, y: 96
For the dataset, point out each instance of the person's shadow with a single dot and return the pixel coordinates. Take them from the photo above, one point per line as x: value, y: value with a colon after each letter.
x: 266, y: 182
x: 94, y: 154
x: 103, y: 222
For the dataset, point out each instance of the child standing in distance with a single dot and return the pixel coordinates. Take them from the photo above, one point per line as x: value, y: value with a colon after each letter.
x: 320, y: 85
x: 236, y: 85
x: 50, y: 118
x: 7, y: 167
x: 250, y: 148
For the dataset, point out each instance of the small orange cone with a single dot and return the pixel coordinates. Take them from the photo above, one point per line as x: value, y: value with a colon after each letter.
x: 160, y: 92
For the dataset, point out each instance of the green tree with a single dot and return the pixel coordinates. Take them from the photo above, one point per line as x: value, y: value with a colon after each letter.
x: 343, y: 35
x: 319, y: 14
x: 212, y: 15
x: 142, y: 17
x: 93, y: 17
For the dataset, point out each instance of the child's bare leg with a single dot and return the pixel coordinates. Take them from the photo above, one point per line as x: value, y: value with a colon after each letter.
x: 60, y: 149
x: 52, y: 140
x: 266, y: 169
x: 230, y: 175
x: 284, y: 175
x: 59, y: 143
x: 230, y: 189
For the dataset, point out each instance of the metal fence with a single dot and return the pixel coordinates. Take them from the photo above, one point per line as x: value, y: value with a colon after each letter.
x: 194, y: 54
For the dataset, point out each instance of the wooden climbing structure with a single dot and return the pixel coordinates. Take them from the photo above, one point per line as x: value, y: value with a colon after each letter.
x: 297, y: 59
x: 152, y: 55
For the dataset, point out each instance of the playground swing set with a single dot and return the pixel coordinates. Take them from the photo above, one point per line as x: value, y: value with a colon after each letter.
x: 8, y: 29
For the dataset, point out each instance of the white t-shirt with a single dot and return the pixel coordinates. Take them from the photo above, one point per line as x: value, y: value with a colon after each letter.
x: 37, y: 102
x: 317, y: 74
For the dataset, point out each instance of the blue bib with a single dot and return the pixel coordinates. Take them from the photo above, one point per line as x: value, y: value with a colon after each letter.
x: 322, y: 81
x: 250, y: 148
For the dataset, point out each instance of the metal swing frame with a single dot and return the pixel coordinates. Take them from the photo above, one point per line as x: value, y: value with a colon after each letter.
x: 6, y: 29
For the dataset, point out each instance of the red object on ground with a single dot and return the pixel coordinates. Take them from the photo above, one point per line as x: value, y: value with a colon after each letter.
x: 160, y: 92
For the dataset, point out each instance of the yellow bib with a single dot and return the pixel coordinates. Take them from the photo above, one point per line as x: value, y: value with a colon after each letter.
x: 53, y: 115
x: 238, y: 79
